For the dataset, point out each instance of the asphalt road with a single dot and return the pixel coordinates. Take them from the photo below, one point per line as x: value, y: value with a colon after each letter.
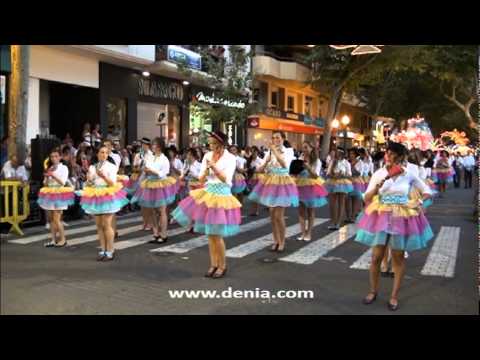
x: 36, y: 280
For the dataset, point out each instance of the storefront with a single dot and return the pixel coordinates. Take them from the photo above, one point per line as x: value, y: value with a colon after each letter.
x: 5, y: 70
x: 133, y: 106
x: 212, y: 110
x: 63, y: 93
x: 297, y: 128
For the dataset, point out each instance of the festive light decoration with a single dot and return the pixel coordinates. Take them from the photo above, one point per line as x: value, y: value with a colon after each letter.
x: 379, y: 134
x: 360, y: 49
x: 460, y: 138
x: 417, y: 135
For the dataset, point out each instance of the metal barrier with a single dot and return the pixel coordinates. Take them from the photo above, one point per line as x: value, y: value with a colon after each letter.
x: 11, y: 210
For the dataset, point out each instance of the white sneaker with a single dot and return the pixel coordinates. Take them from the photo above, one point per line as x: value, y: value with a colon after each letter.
x: 47, y: 226
x: 64, y: 223
x: 172, y: 221
x: 300, y: 238
x: 406, y: 255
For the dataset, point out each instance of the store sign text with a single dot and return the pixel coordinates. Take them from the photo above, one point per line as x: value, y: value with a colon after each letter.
x: 219, y: 101
x: 160, y: 89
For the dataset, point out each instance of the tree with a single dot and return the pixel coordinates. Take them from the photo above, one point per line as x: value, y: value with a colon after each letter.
x: 230, y: 75
x: 18, y: 100
x: 338, y: 72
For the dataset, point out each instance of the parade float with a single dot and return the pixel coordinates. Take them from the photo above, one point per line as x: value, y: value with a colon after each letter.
x: 417, y: 135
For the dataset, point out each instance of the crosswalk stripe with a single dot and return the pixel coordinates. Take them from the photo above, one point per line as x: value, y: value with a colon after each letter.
x: 363, y: 262
x: 94, y: 237
x: 200, y: 241
x: 264, y: 241
x: 314, y: 251
x: 125, y: 244
x: 442, y: 258
x: 69, y: 232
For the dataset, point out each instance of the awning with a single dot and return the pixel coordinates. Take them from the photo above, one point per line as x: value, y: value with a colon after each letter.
x: 270, y: 123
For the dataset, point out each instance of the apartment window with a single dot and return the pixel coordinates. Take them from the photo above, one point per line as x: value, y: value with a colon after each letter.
x: 291, y: 103
x: 308, y: 106
x: 275, y: 98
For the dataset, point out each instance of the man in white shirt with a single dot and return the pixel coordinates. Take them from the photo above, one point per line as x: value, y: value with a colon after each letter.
x: 12, y: 171
x: 468, y: 163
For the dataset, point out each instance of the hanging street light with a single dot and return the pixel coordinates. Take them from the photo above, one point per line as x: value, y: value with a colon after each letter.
x: 360, y: 49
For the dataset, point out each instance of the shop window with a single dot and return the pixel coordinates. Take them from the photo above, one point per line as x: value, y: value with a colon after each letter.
x: 275, y: 99
x: 117, y: 120
x: 308, y: 106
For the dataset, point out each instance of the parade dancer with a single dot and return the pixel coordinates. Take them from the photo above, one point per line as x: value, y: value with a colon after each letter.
x: 102, y: 197
x: 276, y: 189
x: 354, y: 199
x: 254, y: 163
x: 239, y: 181
x: 213, y: 209
x: 391, y: 219
x: 442, y: 172
x: 311, y: 190
x: 157, y: 191
x: 339, y: 185
x: 117, y: 160
x: 55, y: 197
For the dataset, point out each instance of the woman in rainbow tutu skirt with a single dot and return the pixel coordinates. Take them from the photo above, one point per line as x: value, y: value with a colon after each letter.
x: 355, y: 198
x: 391, y: 219
x: 157, y: 191
x: 442, y: 172
x: 213, y: 209
x: 311, y: 190
x: 339, y: 185
x: 239, y: 180
x: 276, y: 189
x: 55, y: 197
x: 102, y: 197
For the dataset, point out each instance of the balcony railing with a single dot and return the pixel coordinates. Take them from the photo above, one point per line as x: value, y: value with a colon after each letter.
x: 292, y: 58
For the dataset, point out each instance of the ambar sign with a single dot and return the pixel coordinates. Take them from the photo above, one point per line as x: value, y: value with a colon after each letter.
x: 160, y: 89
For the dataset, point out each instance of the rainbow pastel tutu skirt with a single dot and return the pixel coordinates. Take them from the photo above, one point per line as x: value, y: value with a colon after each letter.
x: 311, y: 192
x: 239, y: 184
x: 253, y: 181
x: 339, y: 185
x: 359, y: 186
x: 154, y: 192
x: 443, y: 175
x: 396, y: 216
x: 98, y: 200
x: 56, y: 197
x: 133, y: 184
x: 213, y: 210
x: 275, y: 189
x: 123, y: 179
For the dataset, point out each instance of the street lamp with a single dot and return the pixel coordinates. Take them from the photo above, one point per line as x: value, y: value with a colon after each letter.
x: 345, y: 122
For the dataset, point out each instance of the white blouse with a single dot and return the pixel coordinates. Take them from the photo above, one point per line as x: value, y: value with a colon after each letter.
x: 240, y: 163
x: 109, y: 170
x: 193, y: 169
x: 367, y: 167
x: 413, y: 169
x: 255, y: 164
x: 398, y: 186
x: 117, y: 158
x: 226, y: 165
x: 288, y: 157
x: 61, y: 173
x: 343, y: 168
x: 160, y: 165
x: 359, y: 167
x: 139, y: 158
x: 317, y: 166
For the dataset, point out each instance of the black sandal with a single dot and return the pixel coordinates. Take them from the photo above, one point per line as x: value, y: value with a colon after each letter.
x: 274, y: 248
x: 209, y: 273
x: 217, y: 275
x: 392, y: 307
x: 367, y: 301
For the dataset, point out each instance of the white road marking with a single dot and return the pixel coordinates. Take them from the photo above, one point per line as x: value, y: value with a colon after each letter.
x: 121, y: 245
x: 314, y: 251
x: 442, y: 258
x: 94, y: 237
x: 364, y: 261
x: 45, y: 236
x: 200, y: 241
x: 264, y: 241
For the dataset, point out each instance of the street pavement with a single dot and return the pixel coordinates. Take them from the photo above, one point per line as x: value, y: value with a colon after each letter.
x: 441, y: 280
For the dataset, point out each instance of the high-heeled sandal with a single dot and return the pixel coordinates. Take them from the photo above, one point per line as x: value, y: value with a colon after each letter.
x: 393, y: 307
x: 274, y: 248
x: 367, y: 301
x: 217, y: 275
x: 210, y: 272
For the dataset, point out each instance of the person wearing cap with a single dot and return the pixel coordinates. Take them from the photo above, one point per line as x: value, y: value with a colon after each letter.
x: 391, y: 219
x: 276, y: 190
x: 339, y: 185
x: 213, y: 210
